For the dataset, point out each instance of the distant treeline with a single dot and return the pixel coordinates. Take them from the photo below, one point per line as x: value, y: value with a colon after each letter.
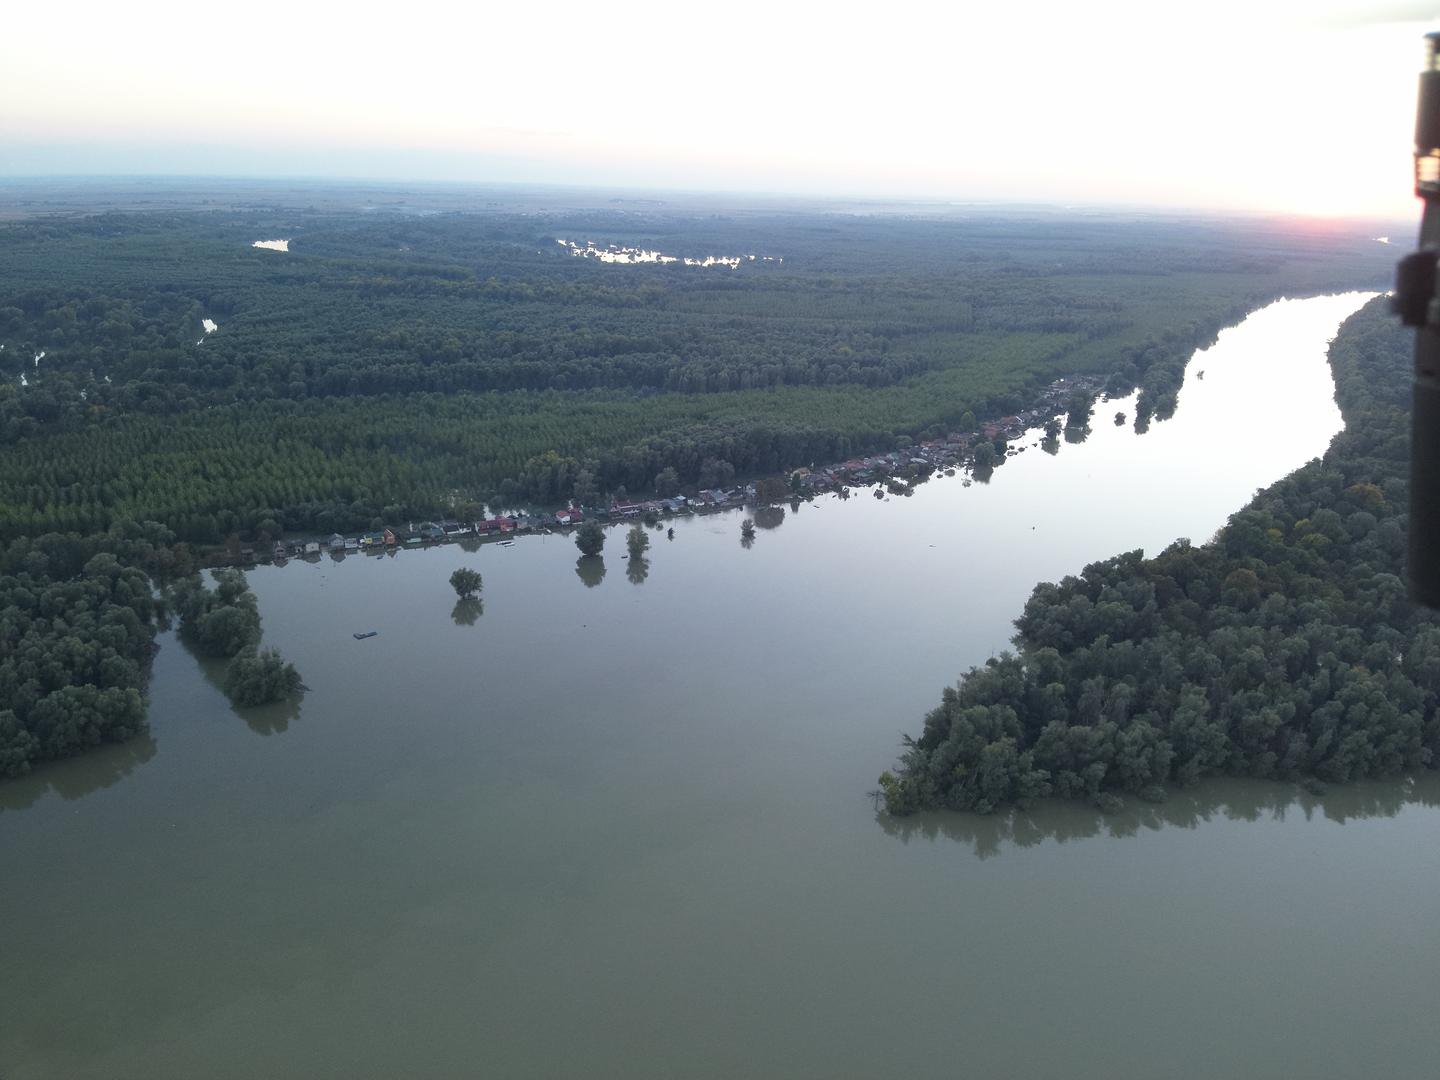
x: 386, y: 369
x: 1286, y: 648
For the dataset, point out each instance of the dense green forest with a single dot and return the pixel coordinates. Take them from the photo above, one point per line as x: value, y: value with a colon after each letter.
x: 384, y: 367
x: 77, y: 633
x: 1285, y: 648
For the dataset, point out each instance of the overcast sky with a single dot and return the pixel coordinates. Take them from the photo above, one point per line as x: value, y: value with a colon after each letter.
x: 1300, y: 105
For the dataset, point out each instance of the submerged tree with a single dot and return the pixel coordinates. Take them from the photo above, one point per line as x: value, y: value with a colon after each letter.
x: 258, y: 678
x: 220, y: 622
x: 465, y: 582
x: 637, y: 540
x: 590, y: 538
x: 747, y: 532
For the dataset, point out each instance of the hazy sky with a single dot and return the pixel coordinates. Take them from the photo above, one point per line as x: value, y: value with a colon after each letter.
x: 1302, y: 105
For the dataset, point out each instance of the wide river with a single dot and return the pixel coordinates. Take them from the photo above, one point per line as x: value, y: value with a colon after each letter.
x: 621, y: 829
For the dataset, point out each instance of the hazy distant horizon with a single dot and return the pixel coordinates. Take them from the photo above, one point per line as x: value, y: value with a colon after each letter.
x: 1251, y: 106
x: 60, y: 193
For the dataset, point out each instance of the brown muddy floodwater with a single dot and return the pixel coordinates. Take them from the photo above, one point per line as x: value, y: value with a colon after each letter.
x: 619, y: 827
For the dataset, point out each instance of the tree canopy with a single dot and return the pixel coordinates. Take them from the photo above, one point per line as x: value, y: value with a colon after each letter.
x: 590, y: 538
x: 1285, y: 648
x: 157, y: 367
x: 466, y: 582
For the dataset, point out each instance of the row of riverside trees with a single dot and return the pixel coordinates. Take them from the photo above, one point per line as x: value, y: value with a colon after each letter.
x: 1285, y: 648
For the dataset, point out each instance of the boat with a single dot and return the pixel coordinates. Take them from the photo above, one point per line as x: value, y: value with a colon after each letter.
x: 506, y: 543
x: 362, y: 637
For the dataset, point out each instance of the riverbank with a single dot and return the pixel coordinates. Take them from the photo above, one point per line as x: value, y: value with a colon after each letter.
x: 1285, y: 648
x: 897, y: 471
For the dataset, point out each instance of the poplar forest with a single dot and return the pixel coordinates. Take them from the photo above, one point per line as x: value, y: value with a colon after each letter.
x: 166, y: 386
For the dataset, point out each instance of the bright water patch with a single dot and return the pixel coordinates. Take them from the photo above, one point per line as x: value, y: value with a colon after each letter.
x: 614, y: 253
x: 621, y: 830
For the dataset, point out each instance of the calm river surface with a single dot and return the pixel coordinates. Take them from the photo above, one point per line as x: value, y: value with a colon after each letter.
x: 622, y: 830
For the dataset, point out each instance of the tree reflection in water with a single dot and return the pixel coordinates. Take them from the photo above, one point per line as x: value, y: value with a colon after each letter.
x: 590, y: 569
x: 1232, y: 800
x: 78, y: 776
x: 466, y: 611
x: 270, y: 719
x: 637, y: 569
x: 769, y: 517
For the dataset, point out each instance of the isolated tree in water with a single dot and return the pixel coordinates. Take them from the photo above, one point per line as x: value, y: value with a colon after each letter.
x: 465, y: 582
x: 637, y: 541
x: 590, y: 538
x: 260, y: 678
